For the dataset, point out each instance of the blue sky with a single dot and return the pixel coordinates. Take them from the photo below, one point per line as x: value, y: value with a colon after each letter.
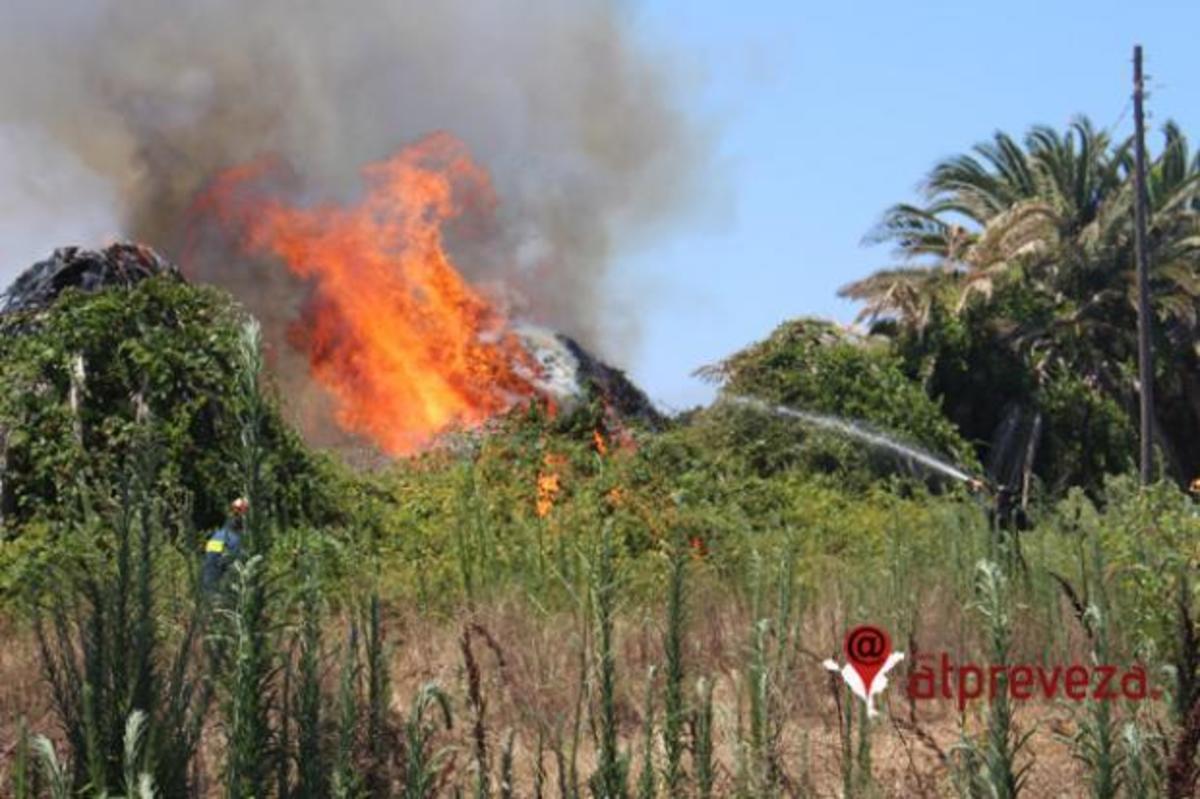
x: 826, y: 113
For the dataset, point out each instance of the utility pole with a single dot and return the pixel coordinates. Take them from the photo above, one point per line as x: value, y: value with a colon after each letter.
x: 1145, y: 362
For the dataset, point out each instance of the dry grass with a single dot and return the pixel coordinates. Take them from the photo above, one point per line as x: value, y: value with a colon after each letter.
x: 22, y: 694
x: 531, y: 685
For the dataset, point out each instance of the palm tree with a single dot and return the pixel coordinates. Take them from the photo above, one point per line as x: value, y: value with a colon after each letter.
x: 1051, y: 222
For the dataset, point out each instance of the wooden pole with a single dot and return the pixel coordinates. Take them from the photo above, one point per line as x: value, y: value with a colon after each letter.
x: 4, y: 502
x: 1145, y: 356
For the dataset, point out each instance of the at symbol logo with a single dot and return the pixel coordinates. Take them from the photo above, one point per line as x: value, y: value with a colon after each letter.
x: 869, y: 657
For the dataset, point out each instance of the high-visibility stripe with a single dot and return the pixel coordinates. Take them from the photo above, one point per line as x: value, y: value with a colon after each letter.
x: 215, y: 546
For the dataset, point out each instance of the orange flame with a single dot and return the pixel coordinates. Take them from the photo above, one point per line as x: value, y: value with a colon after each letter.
x: 548, y: 483
x: 547, y: 490
x: 405, y: 345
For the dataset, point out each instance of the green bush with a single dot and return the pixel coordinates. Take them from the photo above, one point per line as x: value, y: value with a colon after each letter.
x: 98, y: 376
x: 162, y: 352
x: 815, y: 366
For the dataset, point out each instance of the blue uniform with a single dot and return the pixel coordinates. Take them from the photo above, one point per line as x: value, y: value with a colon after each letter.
x: 221, y: 550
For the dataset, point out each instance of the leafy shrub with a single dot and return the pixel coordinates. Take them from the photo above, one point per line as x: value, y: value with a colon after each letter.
x: 84, y: 379
x: 814, y: 366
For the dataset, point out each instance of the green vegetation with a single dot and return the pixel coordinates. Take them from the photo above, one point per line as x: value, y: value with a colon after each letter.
x: 83, y: 380
x: 817, y: 366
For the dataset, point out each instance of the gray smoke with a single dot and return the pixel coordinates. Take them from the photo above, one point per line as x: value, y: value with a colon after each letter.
x: 114, y: 114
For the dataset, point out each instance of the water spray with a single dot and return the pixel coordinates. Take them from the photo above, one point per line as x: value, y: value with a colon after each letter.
x: 865, y: 434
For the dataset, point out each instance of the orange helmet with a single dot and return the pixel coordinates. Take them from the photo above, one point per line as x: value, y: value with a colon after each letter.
x: 239, y: 506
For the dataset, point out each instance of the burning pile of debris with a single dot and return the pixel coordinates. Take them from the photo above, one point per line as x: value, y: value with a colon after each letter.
x: 118, y: 265
x: 563, y: 371
x: 569, y: 373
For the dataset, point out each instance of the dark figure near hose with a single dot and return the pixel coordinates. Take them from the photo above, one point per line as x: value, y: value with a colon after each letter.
x: 1005, y: 510
x: 1008, y: 510
x: 224, y: 546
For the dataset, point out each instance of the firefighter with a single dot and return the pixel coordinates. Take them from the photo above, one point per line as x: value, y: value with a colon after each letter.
x: 224, y: 545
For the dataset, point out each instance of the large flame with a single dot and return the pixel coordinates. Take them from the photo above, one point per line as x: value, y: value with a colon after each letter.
x: 407, y: 347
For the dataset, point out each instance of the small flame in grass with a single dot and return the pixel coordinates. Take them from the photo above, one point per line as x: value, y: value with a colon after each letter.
x: 548, y: 483
x: 406, y: 346
x: 550, y: 476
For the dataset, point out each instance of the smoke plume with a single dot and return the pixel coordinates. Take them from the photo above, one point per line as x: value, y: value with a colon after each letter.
x: 117, y: 112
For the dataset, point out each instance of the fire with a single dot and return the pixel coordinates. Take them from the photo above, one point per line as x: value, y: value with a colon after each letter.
x: 548, y: 483
x: 406, y: 346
